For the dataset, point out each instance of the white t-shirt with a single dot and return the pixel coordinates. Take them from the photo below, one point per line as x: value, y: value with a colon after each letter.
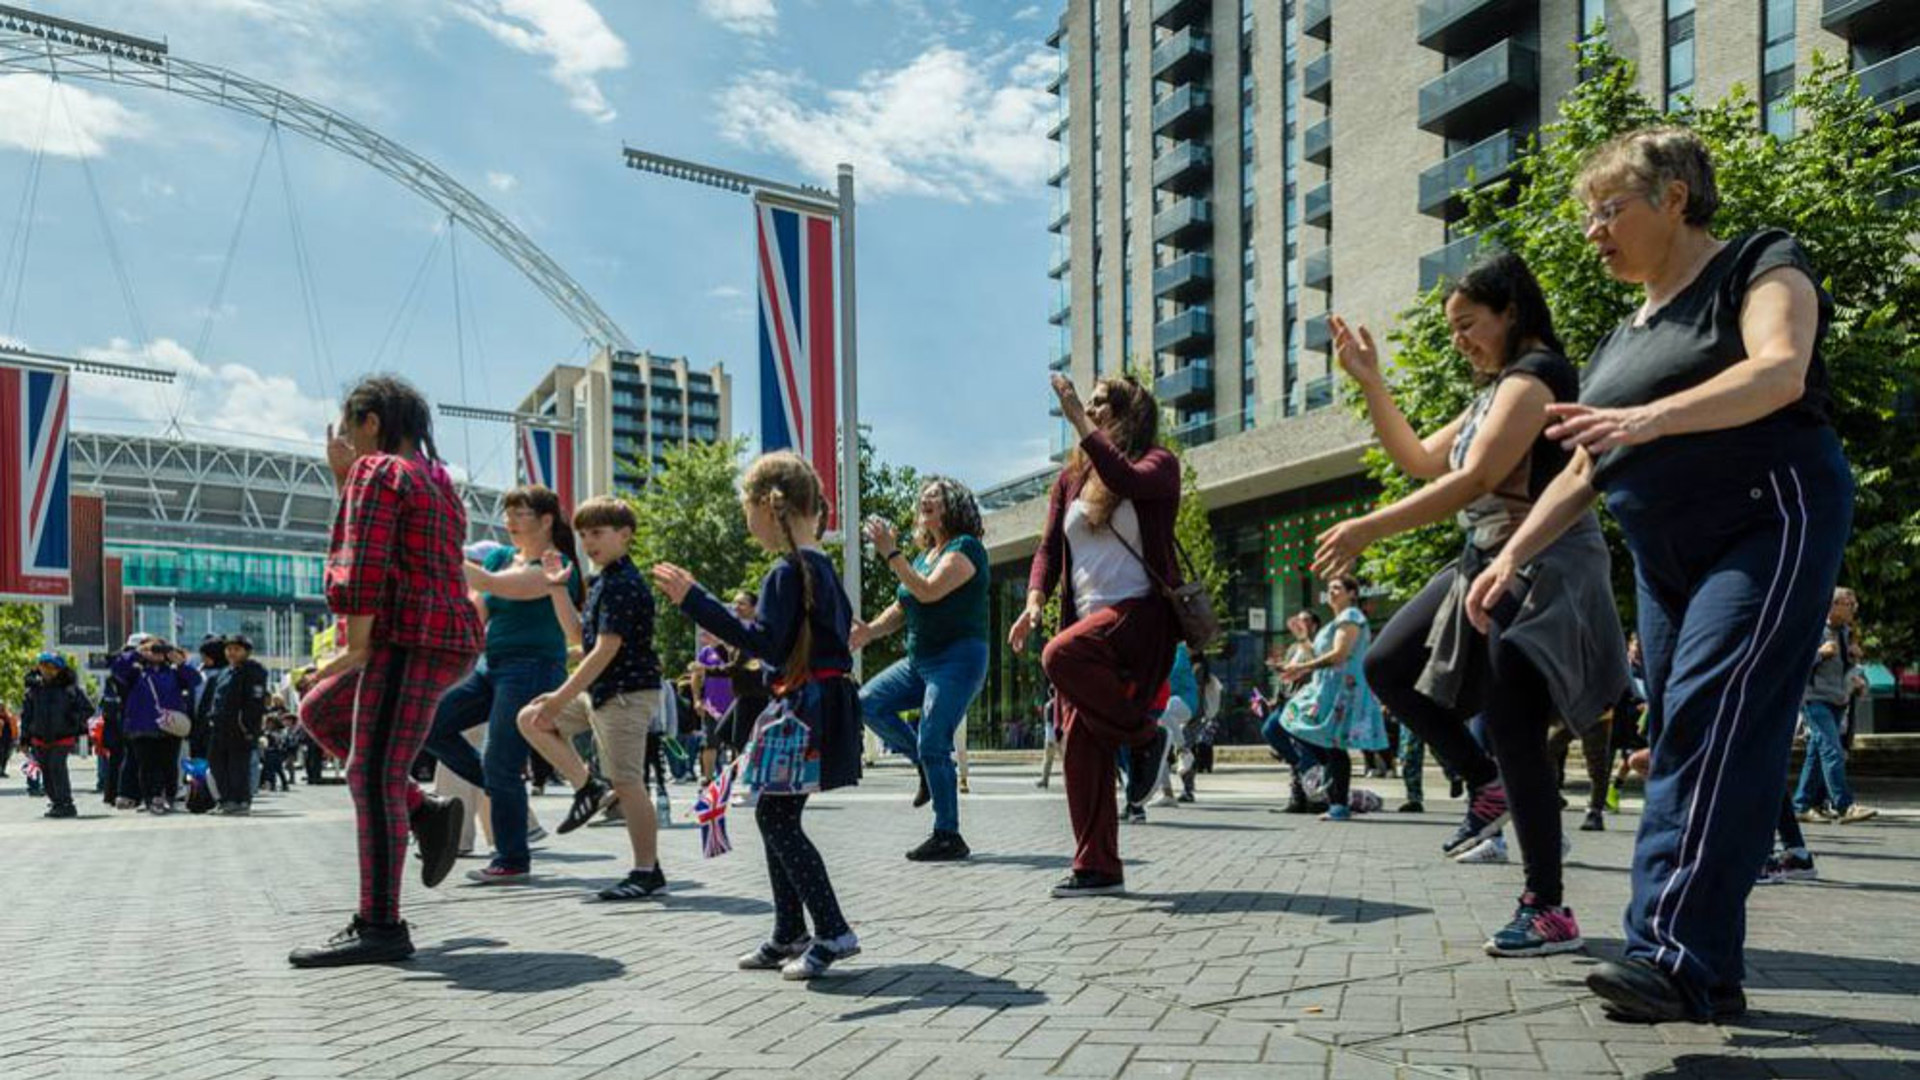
x: 1104, y: 573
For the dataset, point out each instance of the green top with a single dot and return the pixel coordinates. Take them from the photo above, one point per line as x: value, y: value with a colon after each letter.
x: 959, y: 616
x: 519, y: 630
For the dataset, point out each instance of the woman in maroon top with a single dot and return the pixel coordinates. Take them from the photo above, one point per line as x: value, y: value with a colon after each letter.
x: 1108, y: 545
x: 394, y: 572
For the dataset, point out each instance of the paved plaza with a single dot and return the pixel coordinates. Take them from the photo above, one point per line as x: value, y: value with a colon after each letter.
x: 1253, y: 945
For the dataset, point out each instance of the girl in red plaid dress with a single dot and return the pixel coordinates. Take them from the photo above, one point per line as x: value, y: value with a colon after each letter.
x: 393, y: 572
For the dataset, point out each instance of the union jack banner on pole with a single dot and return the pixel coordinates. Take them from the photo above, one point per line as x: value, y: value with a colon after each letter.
x: 794, y: 251
x: 35, y: 563
x: 546, y: 458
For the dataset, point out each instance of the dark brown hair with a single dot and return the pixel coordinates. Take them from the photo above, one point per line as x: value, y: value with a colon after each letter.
x: 959, y: 513
x: 1134, y: 426
x: 543, y: 501
x: 604, y: 512
x: 404, y: 413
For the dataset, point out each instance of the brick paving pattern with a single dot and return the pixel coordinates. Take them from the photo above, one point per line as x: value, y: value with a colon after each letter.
x: 1253, y: 945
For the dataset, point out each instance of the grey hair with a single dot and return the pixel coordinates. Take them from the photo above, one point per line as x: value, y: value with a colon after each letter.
x: 959, y: 513
x: 1647, y: 160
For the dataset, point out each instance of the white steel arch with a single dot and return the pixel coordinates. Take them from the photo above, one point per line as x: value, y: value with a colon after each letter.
x: 31, y: 42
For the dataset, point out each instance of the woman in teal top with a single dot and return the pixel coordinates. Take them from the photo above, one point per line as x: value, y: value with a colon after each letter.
x: 526, y: 656
x: 943, y: 606
x: 1336, y: 711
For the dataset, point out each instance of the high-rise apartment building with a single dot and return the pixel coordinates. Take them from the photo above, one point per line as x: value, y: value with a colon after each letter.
x: 1231, y: 171
x: 631, y: 407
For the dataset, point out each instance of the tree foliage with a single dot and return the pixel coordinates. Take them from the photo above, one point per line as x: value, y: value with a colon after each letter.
x: 21, y: 631
x: 1838, y: 186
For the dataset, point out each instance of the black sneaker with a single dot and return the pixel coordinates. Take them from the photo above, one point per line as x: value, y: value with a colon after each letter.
x: 1135, y: 815
x: 361, y: 942
x: 437, y: 826
x: 588, y: 801
x: 1637, y: 992
x: 1088, y: 883
x: 65, y: 811
x: 1413, y: 806
x: 637, y: 885
x: 1144, y: 770
x: 1595, y: 821
x: 922, y: 797
x: 941, y: 847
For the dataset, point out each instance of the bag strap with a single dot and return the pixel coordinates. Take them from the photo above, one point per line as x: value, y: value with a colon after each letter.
x: 1147, y: 566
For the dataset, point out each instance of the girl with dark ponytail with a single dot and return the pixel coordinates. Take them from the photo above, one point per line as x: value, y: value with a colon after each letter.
x: 800, y: 629
x: 393, y: 573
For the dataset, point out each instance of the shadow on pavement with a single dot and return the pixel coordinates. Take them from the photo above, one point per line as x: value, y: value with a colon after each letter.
x: 513, y: 972
x: 1778, y: 969
x: 1335, y: 909
x: 923, y: 986
x: 1735, y: 1067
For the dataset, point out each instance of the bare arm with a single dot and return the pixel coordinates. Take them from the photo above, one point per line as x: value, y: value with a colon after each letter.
x: 887, y: 622
x: 526, y: 581
x: 952, y: 571
x: 1422, y: 459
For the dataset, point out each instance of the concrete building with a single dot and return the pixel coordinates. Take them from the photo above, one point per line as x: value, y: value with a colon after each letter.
x: 1231, y: 171
x: 632, y: 406
x: 215, y: 539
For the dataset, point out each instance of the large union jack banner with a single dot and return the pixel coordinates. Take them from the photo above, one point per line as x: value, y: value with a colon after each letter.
x: 794, y: 261
x: 546, y: 458
x: 34, y: 559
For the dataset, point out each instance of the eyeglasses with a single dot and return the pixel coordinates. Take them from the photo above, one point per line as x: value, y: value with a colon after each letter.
x: 522, y: 512
x: 1603, y: 213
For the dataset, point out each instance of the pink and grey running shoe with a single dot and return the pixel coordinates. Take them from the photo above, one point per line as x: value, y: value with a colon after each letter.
x: 1486, y: 816
x: 1537, y: 930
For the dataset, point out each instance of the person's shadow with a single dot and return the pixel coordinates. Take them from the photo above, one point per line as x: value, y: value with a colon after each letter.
x: 1334, y: 909
x: 905, y: 987
x: 511, y: 972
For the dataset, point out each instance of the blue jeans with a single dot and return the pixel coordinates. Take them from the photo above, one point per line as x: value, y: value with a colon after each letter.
x: 941, y: 686
x: 494, y: 694
x: 1823, y: 775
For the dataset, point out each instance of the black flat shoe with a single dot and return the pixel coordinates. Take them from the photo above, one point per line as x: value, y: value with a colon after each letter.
x: 437, y: 826
x: 941, y: 847
x: 1143, y: 770
x: 361, y: 942
x: 1636, y: 992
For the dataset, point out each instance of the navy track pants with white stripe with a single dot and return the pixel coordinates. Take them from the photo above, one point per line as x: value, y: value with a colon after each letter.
x: 1734, y: 586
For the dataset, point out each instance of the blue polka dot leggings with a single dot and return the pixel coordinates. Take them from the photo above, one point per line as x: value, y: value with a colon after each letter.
x: 801, y: 887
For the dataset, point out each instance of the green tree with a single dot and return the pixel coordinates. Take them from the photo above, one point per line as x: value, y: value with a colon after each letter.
x: 891, y: 493
x: 689, y: 514
x: 1839, y: 186
x: 20, y: 641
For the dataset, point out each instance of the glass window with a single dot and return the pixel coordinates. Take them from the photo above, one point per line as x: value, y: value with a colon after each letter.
x: 1680, y: 51
x: 1776, y: 67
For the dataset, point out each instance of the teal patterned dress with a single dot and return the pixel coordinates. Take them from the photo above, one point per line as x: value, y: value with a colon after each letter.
x: 1336, y: 710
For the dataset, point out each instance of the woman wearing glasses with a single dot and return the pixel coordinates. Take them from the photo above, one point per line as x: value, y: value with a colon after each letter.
x: 1704, y: 420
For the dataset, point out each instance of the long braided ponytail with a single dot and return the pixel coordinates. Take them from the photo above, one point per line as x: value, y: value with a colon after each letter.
x: 786, y: 482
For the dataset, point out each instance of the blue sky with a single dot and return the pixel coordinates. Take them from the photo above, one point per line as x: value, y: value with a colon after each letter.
x: 940, y: 104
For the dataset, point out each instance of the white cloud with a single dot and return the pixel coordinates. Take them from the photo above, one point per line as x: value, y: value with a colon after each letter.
x: 230, y: 403
x: 570, y: 33
x: 950, y: 124
x: 726, y: 292
x: 756, y: 17
x: 1031, y: 11
x: 76, y: 122
x: 502, y: 182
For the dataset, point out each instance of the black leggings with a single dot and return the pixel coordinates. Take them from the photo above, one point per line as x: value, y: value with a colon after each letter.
x: 230, y: 759
x: 1512, y: 694
x: 799, y: 876
x: 1339, y: 766
x: 158, y: 759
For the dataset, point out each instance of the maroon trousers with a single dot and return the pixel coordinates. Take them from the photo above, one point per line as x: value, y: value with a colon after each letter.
x: 377, y: 718
x: 1106, y: 670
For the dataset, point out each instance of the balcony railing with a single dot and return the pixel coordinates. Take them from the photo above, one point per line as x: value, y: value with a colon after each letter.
x: 1182, y: 112
x: 1316, y: 19
x: 1058, y: 82
x: 1866, y: 20
x: 1448, y: 261
x: 1059, y: 33
x: 1184, y: 168
x: 1174, y: 14
x: 1183, y: 57
x: 1317, y: 81
x: 1059, y: 176
x: 1479, y: 92
x: 1059, y: 128
x: 1317, y: 143
x: 1318, y: 270
x: 1893, y: 83
x: 1317, y: 334
x: 1184, y: 334
x: 1060, y: 361
x: 1060, y: 221
x: 1189, y: 385
x: 1061, y: 314
x: 1317, y: 205
x: 1489, y: 159
x: 1186, y: 278
x: 1466, y: 26
x: 1059, y: 270
x: 1184, y: 221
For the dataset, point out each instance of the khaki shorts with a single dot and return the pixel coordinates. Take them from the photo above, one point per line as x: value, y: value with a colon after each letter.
x: 619, y: 725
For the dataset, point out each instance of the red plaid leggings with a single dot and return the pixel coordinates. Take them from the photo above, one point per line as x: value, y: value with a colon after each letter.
x: 377, y: 718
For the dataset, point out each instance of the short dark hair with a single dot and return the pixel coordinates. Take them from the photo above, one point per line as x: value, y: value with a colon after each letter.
x: 605, y: 512
x: 1503, y: 282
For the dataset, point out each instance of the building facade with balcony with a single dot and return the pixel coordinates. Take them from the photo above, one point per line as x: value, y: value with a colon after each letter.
x: 1274, y: 161
x: 630, y: 407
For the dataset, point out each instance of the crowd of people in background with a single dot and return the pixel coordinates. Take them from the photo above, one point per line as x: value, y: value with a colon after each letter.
x: 1702, y: 420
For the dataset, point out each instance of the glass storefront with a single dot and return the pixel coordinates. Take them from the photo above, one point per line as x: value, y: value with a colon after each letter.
x: 267, y: 575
